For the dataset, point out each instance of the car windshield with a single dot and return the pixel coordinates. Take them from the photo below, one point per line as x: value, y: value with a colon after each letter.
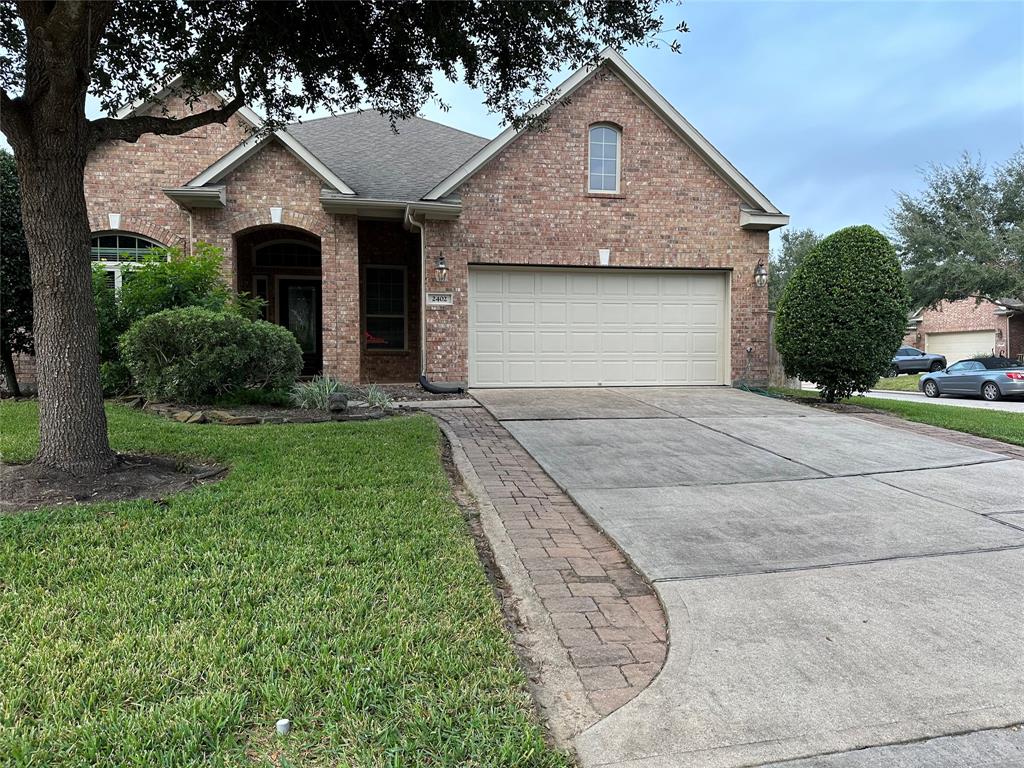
x: 1000, y: 363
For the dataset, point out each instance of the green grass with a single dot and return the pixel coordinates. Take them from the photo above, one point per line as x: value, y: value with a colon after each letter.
x: 328, y: 579
x: 904, y: 383
x: 999, y: 425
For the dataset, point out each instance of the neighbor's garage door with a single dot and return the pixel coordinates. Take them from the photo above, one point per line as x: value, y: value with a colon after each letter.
x: 580, y: 327
x: 961, y: 345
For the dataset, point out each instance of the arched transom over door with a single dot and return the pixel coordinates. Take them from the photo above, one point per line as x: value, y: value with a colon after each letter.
x: 544, y: 327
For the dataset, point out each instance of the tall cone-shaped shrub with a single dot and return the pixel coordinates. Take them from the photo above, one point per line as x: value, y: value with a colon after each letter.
x: 843, y: 313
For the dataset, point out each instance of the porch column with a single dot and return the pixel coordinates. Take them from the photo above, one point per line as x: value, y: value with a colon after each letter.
x: 339, y: 248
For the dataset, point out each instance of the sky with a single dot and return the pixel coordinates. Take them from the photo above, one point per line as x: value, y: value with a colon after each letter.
x: 832, y: 107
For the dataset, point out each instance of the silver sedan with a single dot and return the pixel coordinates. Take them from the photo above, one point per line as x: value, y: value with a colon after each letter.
x: 993, y: 378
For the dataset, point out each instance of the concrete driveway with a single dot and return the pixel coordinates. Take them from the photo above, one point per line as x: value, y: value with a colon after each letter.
x: 837, y: 591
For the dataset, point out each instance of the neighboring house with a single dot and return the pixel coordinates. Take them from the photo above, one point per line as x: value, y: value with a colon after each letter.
x: 614, y: 246
x: 967, y: 328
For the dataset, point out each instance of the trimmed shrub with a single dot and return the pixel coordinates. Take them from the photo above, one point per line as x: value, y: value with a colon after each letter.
x: 843, y: 313
x: 195, y: 355
x: 188, y: 355
x: 278, y: 358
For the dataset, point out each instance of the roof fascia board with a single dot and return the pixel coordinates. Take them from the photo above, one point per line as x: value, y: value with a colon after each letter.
x: 251, y: 145
x: 648, y: 94
x: 756, y: 220
x: 332, y: 202
x: 198, y: 197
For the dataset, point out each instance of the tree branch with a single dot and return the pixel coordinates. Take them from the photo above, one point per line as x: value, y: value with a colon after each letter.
x: 12, y: 118
x: 131, y: 128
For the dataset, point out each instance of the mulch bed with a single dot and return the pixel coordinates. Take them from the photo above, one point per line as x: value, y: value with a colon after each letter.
x: 31, y: 486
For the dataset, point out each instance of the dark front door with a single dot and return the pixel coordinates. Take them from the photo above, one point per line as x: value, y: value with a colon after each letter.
x: 299, y: 311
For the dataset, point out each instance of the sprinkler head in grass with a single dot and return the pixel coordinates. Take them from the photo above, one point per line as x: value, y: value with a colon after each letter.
x: 283, y: 727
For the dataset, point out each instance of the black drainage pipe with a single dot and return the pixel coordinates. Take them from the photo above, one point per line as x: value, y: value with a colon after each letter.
x: 439, y: 389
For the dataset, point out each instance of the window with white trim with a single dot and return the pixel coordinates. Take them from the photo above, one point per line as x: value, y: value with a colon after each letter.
x: 386, y: 307
x: 605, y: 155
x: 114, y: 250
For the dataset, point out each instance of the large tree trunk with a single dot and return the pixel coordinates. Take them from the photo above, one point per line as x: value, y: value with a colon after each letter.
x: 51, y: 168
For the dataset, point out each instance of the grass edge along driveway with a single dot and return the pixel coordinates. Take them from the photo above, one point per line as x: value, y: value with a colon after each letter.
x: 998, y: 425
x: 329, y: 579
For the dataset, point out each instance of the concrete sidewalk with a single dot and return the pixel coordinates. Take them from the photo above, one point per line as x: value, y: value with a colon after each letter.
x: 833, y: 586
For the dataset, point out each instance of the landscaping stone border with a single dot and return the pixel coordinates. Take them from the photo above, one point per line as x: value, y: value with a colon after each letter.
x: 594, y: 630
x: 355, y: 411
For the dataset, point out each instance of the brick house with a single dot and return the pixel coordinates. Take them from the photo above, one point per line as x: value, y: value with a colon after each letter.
x: 967, y: 328
x: 615, y: 245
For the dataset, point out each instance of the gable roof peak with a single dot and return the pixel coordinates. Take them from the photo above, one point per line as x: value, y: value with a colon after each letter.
x: 613, y: 60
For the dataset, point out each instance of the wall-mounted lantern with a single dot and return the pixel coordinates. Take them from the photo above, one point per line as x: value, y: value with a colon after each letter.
x: 441, y: 270
x: 760, y: 275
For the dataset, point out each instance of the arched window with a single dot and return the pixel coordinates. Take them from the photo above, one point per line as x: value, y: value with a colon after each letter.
x: 115, y: 249
x: 605, y: 156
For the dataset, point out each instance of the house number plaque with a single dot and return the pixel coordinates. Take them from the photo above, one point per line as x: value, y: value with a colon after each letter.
x: 440, y: 299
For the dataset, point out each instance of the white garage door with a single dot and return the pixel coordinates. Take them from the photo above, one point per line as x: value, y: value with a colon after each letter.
x: 577, y: 327
x: 961, y: 345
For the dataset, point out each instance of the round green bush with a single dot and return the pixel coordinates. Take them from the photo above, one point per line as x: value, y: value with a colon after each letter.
x: 189, y: 354
x: 194, y: 355
x: 843, y: 313
x: 278, y: 358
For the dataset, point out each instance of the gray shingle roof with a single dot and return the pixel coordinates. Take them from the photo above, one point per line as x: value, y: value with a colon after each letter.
x: 378, y: 163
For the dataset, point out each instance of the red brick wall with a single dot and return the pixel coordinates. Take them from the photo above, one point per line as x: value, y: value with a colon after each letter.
x: 128, y: 179
x: 530, y: 205
x: 966, y: 315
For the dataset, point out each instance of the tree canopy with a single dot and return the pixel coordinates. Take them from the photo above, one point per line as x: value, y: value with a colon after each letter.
x: 794, y: 245
x: 292, y: 57
x: 963, y: 234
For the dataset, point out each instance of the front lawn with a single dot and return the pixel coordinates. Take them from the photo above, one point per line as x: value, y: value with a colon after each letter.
x: 999, y: 425
x: 905, y: 383
x: 329, y: 579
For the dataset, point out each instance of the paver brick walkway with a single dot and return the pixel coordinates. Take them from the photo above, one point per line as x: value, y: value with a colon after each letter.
x: 606, y: 616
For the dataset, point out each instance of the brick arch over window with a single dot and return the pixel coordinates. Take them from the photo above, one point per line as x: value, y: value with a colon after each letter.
x: 244, y: 222
x: 139, y: 226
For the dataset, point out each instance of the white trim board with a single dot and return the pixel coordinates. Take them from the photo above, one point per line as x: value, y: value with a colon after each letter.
x: 614, y: 61
x: 227, y: 163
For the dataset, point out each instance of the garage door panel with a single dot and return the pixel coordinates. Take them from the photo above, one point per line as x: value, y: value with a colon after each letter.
x: 582, y: 342
x: 553, y: 284
x: 705, y: 314
x: 704, y: 343
x: 645, y: 313
x: 552, y: 341
x: 489, y: 341
x: 522, y: 372
x: 613, y: 313
x: 553, y: 312
x: 645, y: 285
x: 705, y: 371
x: 566, y: 327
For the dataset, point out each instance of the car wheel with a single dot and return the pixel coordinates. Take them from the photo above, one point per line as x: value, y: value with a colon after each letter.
x: 893, y: 372
x: 931, y: 389
x: 990, y: 391
x: 936, y: 366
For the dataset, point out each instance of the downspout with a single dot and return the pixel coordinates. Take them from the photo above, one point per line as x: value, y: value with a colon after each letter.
x: 424, y: 381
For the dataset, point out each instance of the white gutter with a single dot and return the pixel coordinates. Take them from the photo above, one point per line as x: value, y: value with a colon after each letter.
x: 411, y: 222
